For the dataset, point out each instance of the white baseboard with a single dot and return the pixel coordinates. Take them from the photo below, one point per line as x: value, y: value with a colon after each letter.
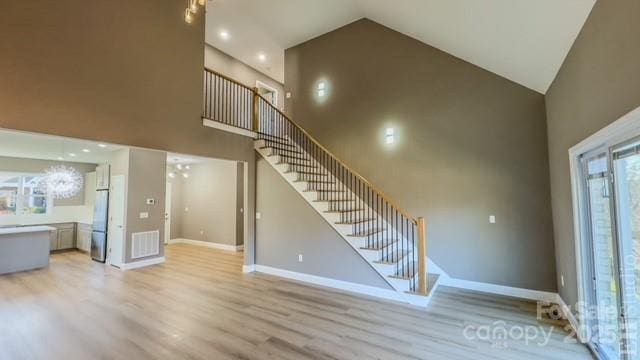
x: 248, y: 268
x: 142, y: 263
x: 228, y: 128
x: 386, y: 294
x: 208, y: 244
x: 500, y: 289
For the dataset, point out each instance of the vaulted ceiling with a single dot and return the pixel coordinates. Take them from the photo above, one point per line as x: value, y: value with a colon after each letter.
x: 525, y: 41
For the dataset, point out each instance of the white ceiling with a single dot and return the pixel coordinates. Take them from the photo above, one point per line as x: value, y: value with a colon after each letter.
x: 525, y: 41
x: 45, y: 147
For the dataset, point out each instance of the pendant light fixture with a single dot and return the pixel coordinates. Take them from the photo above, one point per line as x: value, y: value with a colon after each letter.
x: 61, y: 182
x: 192, y: 9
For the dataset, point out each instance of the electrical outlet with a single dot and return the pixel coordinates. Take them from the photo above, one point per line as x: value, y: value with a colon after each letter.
x: 492, y: 219
x: 258, y: 216
x: 288, y: 96
x: 562, y: 280
x: 186, y: 209
x: 201, y: 232
x: 299, y: 257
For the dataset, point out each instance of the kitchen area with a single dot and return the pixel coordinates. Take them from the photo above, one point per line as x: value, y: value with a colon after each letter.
x: 54, y: 197
x: 104, y: 201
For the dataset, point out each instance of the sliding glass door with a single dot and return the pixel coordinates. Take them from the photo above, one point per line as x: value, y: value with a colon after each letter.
x: 604, y: 295
x: 626, y: 166
x: 611, y: 179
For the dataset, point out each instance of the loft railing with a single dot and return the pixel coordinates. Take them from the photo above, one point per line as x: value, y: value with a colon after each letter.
x: 385, y: 226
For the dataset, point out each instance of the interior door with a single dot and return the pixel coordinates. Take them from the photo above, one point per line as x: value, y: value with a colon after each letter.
x: 115, y: 239
x: 167, y: 214
x: 605, y: 294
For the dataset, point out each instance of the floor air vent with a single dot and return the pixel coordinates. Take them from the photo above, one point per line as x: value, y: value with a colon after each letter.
x: 145, y: 244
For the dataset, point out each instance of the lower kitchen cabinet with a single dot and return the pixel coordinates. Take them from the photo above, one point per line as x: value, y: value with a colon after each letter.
x: 83, y: 237
x: 64, y: 237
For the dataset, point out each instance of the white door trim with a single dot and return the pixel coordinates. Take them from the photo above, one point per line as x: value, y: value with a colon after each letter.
x: 260, y: 84
x: 625, y: 128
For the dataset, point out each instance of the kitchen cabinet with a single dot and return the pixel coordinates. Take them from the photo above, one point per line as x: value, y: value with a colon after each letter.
x: 102, y: 177
x: 83, y: 237
x: 63, y: 237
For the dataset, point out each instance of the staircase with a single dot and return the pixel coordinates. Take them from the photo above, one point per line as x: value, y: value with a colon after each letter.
x: 392, y: 242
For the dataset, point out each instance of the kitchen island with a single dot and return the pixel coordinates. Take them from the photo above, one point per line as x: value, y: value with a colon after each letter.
x: 24, y: 248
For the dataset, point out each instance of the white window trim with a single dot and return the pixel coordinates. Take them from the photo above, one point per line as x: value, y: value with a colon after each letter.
x: 20, y: 195
x: 623, y: 129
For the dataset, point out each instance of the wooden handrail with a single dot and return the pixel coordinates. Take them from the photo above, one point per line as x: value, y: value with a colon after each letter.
x: 362, y: 178
x: 230, y: 79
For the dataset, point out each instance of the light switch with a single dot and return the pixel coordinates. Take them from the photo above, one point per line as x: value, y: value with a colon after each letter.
x: 151, y: 201
x: 258, y: 216
x: 144, y: 215
x: 492, y: 219
x: 299, y: 257
x: 288, y: 95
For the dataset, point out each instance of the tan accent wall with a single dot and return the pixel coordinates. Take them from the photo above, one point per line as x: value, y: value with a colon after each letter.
x: 598, y: 83
x: 469, y: 144
x: 125, y: 72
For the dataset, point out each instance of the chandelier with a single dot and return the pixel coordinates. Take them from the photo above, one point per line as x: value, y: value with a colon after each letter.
x: 61, y: 182
x: 192, y: 9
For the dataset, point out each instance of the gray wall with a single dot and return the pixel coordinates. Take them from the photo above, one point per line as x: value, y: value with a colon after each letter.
x: 597, y: 84
x: 469, y: 144
x: 146, y: 180
x: 176, y: 206
x: 289, y: 226
x: 210, y: 195
x: 225, y: 64
x: 118, y: 71
x: 38, y: 166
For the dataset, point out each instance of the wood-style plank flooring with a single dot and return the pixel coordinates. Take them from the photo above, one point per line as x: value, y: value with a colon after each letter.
x: 199, y: 305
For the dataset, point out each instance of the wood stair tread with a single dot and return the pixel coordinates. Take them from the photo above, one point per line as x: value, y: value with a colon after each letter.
x: 343, y: 211
x: 291, y: 157
x: 324, y: 191
x: 392, y: 259
x: 315, y: 181
x: 379, y: 246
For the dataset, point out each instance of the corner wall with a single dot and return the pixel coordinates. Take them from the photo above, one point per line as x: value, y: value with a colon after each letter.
x: 468, y: 144
x: 598, y: 83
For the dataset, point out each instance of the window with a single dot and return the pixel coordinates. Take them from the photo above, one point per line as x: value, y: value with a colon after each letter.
x: 21, y: 195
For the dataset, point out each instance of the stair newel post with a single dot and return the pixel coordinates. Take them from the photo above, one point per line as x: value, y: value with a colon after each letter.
x: 256, y: 112
x: 422, y: 257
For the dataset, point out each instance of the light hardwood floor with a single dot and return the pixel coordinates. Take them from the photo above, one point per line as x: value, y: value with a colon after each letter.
x: 199, y: 305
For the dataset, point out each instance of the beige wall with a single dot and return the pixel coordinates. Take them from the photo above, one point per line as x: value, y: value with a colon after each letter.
x: 289, y: 226
x: 117, y: 71
x: 210, y: 195
x: 225, y: 64
x: 597, y: 84
x: 469, y: 144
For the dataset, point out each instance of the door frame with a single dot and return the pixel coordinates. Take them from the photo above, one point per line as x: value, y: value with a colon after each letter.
x: 168, y: 203
x: 124, y: 220
x: 614, y: 134
x: 262, y: 85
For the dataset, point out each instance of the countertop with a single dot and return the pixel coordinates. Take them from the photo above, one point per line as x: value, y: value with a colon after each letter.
x: 25, y: 229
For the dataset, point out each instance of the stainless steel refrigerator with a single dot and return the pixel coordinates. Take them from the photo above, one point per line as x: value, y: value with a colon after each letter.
x: 100, y: 221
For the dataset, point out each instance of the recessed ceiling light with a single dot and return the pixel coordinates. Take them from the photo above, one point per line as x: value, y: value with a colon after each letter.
x: 187, y: 167
x: 262, y: 57
x: 86, y: 150
x: 224, y: 35
x: 179, y: 166
x: 102, y: 145
x: 60, y: 158
x: 172, y: 175
x: 72, y: 154
x: 185, y: 175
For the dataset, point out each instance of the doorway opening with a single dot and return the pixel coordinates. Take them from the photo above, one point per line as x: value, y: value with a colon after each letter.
x: 205, y: 202
x: 267, y: 92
